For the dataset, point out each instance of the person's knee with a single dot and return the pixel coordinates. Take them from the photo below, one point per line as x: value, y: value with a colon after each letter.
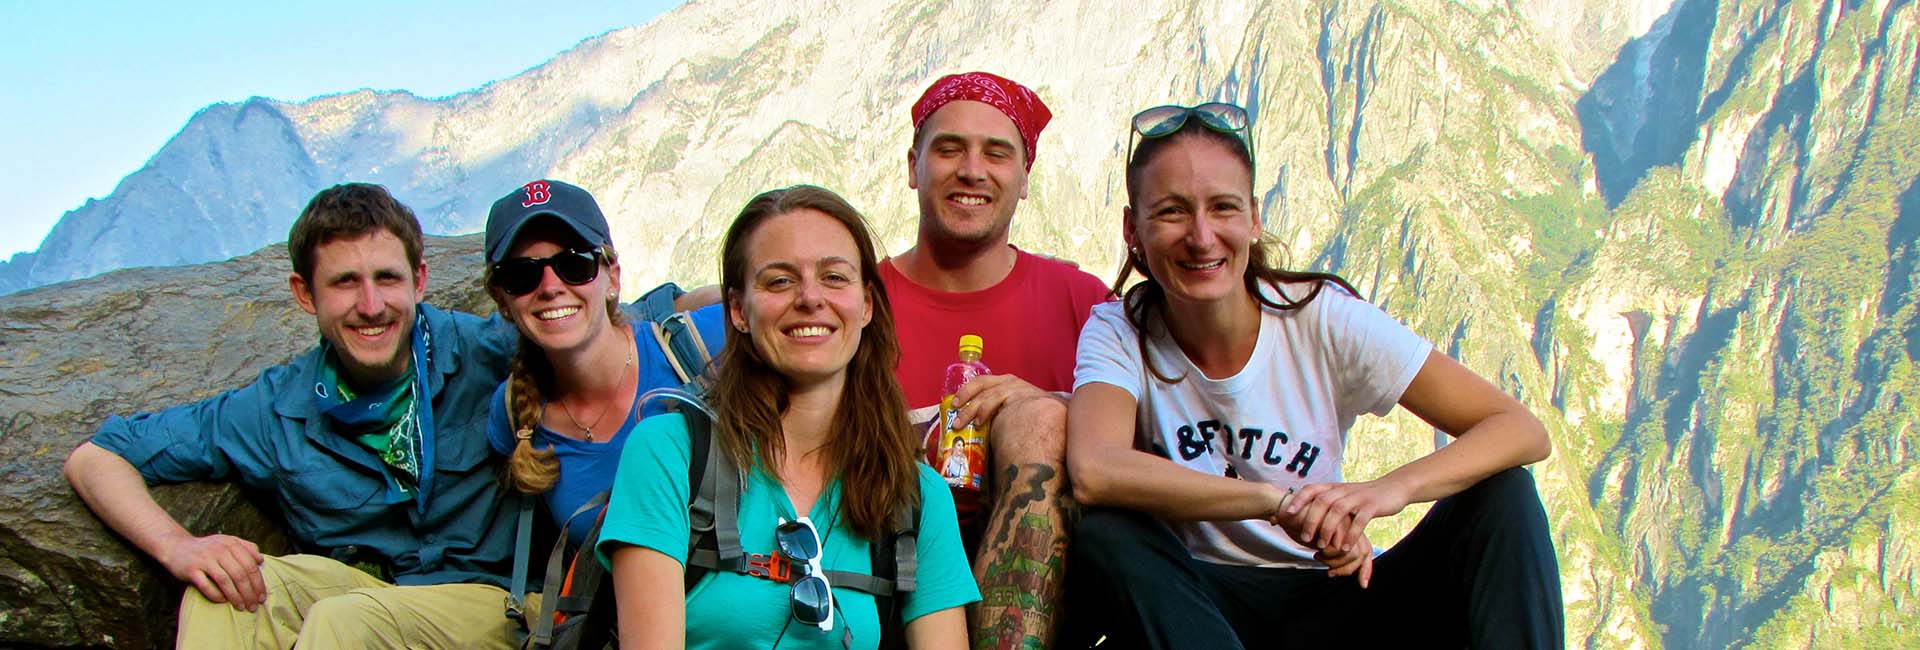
x: 1500, y: 506
x: 1030, y: 431
x: 1106, y: 538
x: 193, y: 599
x: 348, y: 615
x: 1511, y: 489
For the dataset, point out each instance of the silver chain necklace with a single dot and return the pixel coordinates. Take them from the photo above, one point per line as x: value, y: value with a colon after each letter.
x: 603, y: 412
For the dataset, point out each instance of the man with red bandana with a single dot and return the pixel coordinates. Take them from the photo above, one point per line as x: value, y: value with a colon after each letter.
x: 973, y: 146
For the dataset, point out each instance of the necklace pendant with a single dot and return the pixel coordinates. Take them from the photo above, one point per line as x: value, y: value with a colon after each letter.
x: 589, y: 435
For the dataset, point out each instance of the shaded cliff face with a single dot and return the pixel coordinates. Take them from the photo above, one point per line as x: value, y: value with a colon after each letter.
x: 132, y: 341
x: 213, y: 192
x: 1752, y: 305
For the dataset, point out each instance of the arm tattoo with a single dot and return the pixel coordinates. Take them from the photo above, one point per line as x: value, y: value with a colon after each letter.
x: 1020, y: 563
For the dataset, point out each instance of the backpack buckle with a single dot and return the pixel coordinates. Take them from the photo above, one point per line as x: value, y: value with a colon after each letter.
x: 699, y: 522
x: 773, y: 567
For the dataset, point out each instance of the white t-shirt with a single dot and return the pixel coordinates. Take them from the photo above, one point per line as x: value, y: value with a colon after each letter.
x: 1282, y: 419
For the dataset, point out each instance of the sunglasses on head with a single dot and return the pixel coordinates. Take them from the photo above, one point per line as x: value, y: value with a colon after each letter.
x: 1161, y: 121
x: 519, y: 276
x: 812, y: 596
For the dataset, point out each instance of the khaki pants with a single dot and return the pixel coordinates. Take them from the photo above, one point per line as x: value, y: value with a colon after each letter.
x: 321, y: 604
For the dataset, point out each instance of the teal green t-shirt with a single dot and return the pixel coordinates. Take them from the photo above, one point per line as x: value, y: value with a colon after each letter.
x: 648, y: 508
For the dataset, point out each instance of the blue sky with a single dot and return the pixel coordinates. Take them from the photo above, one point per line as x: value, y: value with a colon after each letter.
x: 93, y: 88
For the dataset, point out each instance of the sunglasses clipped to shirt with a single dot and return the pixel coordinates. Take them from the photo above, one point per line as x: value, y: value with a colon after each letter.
x: 519, y: 276
x: 1161, y: 121
x: 812, y: 596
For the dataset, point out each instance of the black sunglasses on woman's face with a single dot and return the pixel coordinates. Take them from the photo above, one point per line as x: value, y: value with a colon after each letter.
x: 519, y: 276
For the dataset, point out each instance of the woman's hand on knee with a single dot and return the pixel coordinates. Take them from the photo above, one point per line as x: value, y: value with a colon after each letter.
x: 1354, y: 559
x: 1331, y: 515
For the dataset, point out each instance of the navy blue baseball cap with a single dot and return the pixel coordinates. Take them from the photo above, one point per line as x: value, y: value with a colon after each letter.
x: 563, y: 201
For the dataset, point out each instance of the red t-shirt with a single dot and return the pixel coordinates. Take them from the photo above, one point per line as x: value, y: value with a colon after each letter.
x: 1028, y: 324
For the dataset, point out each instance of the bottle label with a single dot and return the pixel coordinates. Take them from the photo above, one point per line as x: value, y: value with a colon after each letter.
x: 960, y: 454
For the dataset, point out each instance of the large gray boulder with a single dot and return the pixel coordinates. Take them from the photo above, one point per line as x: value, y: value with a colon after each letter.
x: 72, y: 354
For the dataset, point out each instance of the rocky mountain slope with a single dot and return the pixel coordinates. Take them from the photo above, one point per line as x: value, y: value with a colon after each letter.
x: 65, y: 365
x: 1751, y: 312
x: 1680, y: 231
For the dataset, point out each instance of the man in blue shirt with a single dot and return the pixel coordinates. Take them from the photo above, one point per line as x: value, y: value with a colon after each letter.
x: 372, y: 444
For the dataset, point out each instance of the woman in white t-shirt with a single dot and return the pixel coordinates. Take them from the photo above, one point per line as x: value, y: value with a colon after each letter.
x: 1208, y: 419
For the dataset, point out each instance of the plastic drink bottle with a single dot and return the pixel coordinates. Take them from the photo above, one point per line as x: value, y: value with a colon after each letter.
x: 960, y: 455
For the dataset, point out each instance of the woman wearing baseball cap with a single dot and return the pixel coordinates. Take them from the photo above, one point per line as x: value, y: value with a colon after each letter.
x: 563, y: 414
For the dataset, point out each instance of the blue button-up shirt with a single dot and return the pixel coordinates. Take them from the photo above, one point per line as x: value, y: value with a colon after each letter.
x: 272, y: 438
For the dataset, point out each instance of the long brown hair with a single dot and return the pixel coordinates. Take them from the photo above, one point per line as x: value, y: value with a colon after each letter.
x: 530, y: 379
x: 1146, y: 303
x: 871, y: 445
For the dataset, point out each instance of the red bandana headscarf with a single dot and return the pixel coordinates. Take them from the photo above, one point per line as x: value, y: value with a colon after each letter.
x: 1028, y: 113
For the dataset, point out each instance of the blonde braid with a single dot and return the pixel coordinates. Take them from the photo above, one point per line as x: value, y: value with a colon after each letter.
x: 529, y: 470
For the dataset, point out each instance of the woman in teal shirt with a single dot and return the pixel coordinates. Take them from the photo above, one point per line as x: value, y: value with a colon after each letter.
x: 798, y: 270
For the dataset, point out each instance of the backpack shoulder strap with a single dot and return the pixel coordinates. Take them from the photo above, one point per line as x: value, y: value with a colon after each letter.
x: 657, y: 302
x: 522, y: 548
x: 905, y: 542
x: 679, y: 340
x: 897, y: 558
x: 685, y: 342
x: 563, y: 592
x: 686, y: 352
x: 700, y: 495
x: 894, y: 559
x: 713, y: 508
x: 522, y: 536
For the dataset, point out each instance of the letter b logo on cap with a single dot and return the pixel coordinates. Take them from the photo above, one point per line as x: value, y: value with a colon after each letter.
x: 538, y: 193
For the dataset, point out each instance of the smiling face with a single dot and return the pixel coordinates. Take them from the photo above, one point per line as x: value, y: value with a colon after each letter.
x: 362, y: 296
x: 558, y: 316
x: 971, y: 172
x: 803, y: 302
x: 1194, y: 219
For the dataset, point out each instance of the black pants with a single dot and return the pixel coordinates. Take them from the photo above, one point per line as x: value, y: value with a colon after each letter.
x: 1478, y: 570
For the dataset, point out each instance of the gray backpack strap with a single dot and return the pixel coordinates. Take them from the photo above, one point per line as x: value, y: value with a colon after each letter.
x: 542, y: 633
x: 723, y: 479
x: 897, y: 555
x: 703, y: 555
x: 703, y: 552
x: 713, y: 500
x: 522, y: 536
x: 713, y: 517
x: 906, y: 555
x: 522, y: 546
x: 894, y: 560
x: 860, y: 582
